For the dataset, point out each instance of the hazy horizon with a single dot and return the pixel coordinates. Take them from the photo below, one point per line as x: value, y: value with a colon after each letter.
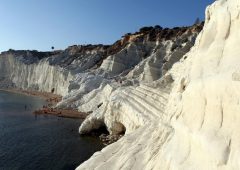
x: 39, y: 25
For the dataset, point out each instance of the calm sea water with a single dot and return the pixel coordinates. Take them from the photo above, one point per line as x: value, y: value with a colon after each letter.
x: 29, y: 142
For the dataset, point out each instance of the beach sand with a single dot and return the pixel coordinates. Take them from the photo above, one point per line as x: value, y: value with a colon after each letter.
x: 49, y: 108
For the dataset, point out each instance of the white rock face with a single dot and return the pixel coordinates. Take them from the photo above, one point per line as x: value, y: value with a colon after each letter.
x: 126, y: 87
x: 116, y: 64
x: 190, y: 123
x: 136, y: 62
x: 39, y: 75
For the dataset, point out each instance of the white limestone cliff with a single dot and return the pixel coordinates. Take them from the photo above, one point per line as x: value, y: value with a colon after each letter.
x: 130, y: 86
x: 136, y: 62
x: 189, y: 119
x: 37, y: 76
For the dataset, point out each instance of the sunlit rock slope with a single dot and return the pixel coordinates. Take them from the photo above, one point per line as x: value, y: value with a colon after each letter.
x: 189, y: 118
x: 131, y: 86
x: 142, y: 56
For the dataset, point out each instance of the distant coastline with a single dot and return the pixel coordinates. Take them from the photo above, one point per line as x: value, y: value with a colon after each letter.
x: 51, y: 99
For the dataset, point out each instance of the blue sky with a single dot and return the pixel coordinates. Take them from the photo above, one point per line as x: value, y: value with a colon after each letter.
x: 40, y: 24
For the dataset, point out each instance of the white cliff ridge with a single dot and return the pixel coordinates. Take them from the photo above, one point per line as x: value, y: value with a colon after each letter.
x: 178, y: 108
x: 27, y: 72
x: 189, y: 119
x: 102, y: 79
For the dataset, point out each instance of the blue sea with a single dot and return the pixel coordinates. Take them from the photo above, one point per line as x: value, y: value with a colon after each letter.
x: 30, y: 142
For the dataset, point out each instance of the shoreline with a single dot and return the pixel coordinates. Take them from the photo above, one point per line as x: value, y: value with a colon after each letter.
x: 44, y: 95
x: 52, y: 100
x: 66, y: 113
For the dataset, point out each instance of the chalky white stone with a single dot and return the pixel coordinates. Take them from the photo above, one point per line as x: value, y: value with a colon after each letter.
x: 137, y: 90
x: 192, y: 123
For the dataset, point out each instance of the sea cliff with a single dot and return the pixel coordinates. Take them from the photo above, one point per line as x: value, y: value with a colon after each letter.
x: 171, y: 92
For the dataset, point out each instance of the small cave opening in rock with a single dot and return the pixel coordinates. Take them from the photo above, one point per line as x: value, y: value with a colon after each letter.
x: 118, y: 131
x: 182, y: 85
x: 99, y: 105
x: 53, y: 89
x: 98, y: 132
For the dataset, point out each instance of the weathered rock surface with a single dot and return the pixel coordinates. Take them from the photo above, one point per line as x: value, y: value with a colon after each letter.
x: 130, y: 87
x: 189, y: 119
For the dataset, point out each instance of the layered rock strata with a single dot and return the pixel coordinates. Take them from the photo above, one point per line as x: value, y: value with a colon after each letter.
x: 128, y: 87
x: 189, y: 119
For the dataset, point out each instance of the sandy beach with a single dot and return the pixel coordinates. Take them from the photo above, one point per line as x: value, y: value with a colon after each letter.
x: 52, y: 100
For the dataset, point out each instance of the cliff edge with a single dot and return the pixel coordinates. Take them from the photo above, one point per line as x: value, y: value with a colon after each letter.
x: 172, y: 92
x: 187, y: 119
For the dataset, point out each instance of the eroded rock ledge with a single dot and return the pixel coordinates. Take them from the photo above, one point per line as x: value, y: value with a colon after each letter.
x: 189, y: 118
x: 127, y: 87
